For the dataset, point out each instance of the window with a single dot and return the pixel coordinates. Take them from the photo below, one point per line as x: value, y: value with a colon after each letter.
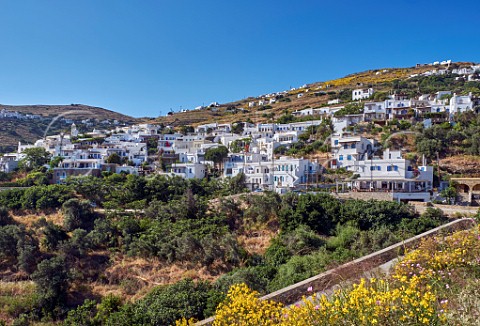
x: 345, y: 146
x: 349, y: 157
x: 353, y: 146
x: 340, y: 158
x: 335, y: 141
x: 379, y: 168
x: 389, y: 168
x: 395, y: 168
x: 372, y: 168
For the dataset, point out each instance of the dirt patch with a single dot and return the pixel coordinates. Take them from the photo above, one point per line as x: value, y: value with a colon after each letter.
x: 464, y: 165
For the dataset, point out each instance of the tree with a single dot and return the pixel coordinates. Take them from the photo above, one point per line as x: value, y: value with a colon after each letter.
x: 450, y: 194
x: 5, y: 217
x: 165, y: 304
x: 350, y: 108
x: 237, y: 183
x: 51, y: 279
x: 34, y: 158
x: 237, y: 127
x: 217, y: 155
x: 185, y: 129
x: 54, y: 234
x: 114, y: 158
x: 429, y: 147
x: 78, y: 214
x: 55, y: 162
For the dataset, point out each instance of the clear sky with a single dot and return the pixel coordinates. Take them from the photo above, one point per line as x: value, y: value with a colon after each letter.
x: 143, y: 57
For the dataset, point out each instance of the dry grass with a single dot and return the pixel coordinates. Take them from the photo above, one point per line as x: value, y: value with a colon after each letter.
x: 132, y: 278
x: 15, y: 297
x: 461, y: 165
x: 16, y: 288
x: 256, y: 242
x: 28, y: 219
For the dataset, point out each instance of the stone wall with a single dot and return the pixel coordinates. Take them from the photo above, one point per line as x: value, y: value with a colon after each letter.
x: 365, y: 195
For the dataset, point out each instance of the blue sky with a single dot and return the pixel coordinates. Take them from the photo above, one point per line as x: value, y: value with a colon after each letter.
x: 142, y: 58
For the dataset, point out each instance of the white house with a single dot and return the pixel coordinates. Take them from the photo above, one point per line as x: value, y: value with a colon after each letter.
x: 292, y: 173
x: 9, y: 162
x: 459, y: 103
x: 347, y: 150
x: 374, y: 111
x: 361, y: 93
x: 188, y: 170
x: 335, y: 101
x: 396, y: 175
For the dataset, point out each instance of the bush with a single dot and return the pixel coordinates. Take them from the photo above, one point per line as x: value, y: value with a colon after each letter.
x: 5, y: 217
x: 51, y: 279
x: 78, y: 215
x: 53, y: 235
x: 165, y: 304
x: 299, y: 268
x: 257, y: 278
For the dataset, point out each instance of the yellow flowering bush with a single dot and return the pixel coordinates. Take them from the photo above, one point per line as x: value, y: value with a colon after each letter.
x: 370, y: 303
x: 423, y: 290
x: 243, y: 307
x: 438, y: 261
x: 373, y: 302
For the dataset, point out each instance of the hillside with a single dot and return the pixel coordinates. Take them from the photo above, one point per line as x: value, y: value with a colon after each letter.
x: 13, y: 130
x: 384, y: 80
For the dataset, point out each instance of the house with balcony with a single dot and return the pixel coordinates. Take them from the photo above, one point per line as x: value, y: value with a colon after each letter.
x: 290, y: 173
x: 394, y: 174
x: 374, y: 112
x: 214, y: 128
x: 460, y: 103
x: 398, y: 106
x: 78, y: 166
x: 9, y: 162
x: 187, y: 170
x: 362, y: 93
x: 348, y: 150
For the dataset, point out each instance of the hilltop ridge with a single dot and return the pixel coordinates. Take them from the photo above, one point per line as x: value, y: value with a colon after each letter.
x: 34, y: 121
x: 311, y: 95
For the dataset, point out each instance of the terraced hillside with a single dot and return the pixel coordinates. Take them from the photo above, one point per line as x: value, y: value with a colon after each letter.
x: 384, y: 80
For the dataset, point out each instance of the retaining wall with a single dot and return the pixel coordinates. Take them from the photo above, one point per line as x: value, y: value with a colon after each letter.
x: 365, y: 195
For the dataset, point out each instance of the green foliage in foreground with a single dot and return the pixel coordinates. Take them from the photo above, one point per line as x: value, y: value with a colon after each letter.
x: 178, y: 225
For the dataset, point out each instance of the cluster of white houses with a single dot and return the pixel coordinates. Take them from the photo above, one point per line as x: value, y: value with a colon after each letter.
x: 439, y: 107
x: 252, y: 151
x: 6, y: 114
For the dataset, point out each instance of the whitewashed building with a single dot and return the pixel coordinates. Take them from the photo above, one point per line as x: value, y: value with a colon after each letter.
x: 348, y: 150
x: 395, y: 175
x: 460, y: 103
x: 362, y: 93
